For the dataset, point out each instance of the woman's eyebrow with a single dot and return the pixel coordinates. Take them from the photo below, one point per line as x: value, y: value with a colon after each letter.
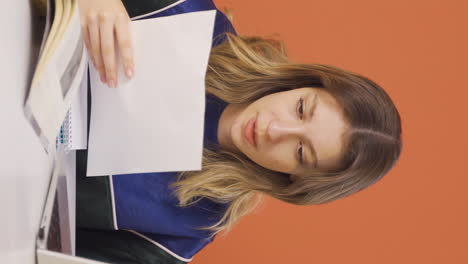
x: 311, y: 146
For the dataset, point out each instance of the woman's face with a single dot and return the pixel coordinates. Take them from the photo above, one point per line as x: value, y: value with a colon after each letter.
x: 290, y: 132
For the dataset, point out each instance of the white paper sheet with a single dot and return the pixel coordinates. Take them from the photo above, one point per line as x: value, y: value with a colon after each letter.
x: 78, y: 138
x: 154, y: 122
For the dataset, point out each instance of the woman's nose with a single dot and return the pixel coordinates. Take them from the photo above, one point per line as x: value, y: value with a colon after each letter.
x: 279, y: 129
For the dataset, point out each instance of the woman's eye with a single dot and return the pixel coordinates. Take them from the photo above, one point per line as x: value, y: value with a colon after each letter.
x: 300, y: 109
x: 300, y: 153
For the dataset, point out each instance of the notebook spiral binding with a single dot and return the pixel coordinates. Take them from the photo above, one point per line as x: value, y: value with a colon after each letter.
x: 65, y: 136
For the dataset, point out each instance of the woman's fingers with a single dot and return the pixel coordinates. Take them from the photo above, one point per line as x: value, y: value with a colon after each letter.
x: 85, y: 34
x: 106, y: 28
x: 124, y: 44
x: 95, y: 51
x: 104, y: 22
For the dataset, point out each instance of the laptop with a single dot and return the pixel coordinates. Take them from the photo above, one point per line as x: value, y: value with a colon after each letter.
x: 54, y: 242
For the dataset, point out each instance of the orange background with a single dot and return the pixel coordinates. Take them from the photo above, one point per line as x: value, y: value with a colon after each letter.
x: 417, y: 51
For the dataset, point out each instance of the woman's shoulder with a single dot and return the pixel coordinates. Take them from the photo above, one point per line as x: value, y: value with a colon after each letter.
x: 144, y: 8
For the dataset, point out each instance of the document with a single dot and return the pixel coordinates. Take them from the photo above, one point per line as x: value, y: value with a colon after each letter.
x: 58, y: 73
x: 154, y: 121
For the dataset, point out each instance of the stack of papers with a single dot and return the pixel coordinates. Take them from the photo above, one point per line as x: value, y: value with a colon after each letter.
x: 58, y: 73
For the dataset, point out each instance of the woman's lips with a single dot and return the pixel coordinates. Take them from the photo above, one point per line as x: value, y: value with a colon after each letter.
x: 249, y: 131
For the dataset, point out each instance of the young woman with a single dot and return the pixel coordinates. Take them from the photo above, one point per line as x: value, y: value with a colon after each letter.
x: 302, y: 133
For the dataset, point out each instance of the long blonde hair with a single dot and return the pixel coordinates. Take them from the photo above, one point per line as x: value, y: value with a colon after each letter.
x: 244, y: 69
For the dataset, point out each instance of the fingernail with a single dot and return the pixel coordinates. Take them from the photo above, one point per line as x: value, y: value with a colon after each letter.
x: 111, y: 84
x: 129, y: 72
x: 103, y: 79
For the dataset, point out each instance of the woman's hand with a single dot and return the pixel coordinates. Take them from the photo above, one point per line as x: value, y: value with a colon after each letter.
x: 105, y: 29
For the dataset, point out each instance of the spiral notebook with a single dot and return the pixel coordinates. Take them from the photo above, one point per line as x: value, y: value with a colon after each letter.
x: 73, y: 132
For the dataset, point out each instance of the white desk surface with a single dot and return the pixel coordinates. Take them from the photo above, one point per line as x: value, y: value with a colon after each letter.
x: 24, y: 167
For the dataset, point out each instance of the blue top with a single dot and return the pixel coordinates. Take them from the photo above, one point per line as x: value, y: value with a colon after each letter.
x: 145, y: 203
